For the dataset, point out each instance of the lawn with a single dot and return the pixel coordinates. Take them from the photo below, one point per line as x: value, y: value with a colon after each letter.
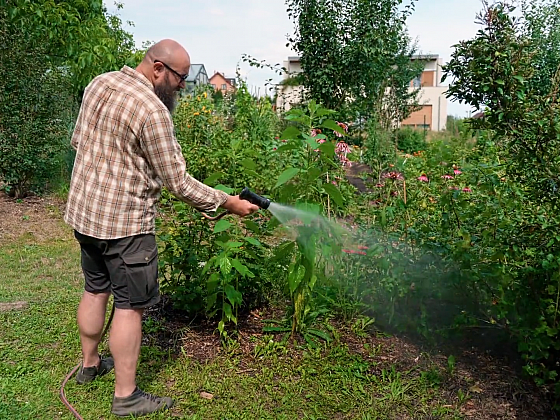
x: 359, y: 375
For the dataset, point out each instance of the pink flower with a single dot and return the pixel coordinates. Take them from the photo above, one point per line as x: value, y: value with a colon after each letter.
x: 321, y: 141
x: 360, y: 252
x: 348, y: 251
x: 394, y: 193
x: 467, y: 190
x: 333, y: 182
x: 457, y: 172
x: 362, y: 247
x: 276, y: 137
x: 313, y: 133
x: 274, y: 148
x: 342, y: 148
x: 343, y: 126
x: 284, y: 141
x: 393, y: 175
x: 447, y: 176
x: 423, y: 178
x: 379, y: 185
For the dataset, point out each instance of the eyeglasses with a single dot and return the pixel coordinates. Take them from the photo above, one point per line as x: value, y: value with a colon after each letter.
x: 182, y: 77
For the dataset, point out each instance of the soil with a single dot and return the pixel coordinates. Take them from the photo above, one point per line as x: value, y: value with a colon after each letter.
x: 495, y: 385
x: 35, y: 218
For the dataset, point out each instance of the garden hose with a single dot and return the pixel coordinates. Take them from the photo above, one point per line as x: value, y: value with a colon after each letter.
x: 75, y: 369
x: 248, y: 195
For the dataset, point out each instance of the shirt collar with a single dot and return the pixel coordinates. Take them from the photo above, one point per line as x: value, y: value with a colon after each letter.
x: 138, y: 76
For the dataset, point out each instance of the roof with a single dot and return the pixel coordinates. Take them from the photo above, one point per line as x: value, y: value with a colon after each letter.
x: 194, y: 72
x: 230, y: 80
x: 425, y: 57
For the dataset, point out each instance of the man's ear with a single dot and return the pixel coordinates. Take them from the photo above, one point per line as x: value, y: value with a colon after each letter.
x: 159, y: 69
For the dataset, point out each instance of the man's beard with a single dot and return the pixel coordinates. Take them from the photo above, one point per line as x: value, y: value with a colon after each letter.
x: 167, y: 94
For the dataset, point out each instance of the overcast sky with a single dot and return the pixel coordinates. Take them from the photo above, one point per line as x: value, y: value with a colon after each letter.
x: 218, y: 32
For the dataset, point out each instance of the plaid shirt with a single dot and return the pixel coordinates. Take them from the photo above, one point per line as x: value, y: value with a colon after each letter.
x: 125, y: 151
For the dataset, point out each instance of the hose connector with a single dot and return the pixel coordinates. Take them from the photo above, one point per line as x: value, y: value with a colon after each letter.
x: 257, y: 200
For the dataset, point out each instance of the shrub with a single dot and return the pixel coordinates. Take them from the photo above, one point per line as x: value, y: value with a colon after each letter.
x: 36, y: 110
x: 410, y: 140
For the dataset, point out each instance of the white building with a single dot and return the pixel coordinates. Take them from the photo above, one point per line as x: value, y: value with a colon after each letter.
x: 432, y: 115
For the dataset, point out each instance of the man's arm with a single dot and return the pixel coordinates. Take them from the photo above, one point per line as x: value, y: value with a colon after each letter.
x: 164, y: 154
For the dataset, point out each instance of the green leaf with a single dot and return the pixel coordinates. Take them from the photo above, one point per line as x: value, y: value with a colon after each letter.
x: 228, y: 312
x: 252, y: 173
x: 295, y: 275
x: 331, y: 125
x: 223, y: 188
x: 286, y: 176
x: 327, y: 148
x: 222, y: 226
x: 313, y: 173
x: 288, y: 146
x: 213, y: 178
x: 276, y: 329
x: 283, y: 250
x: 249, y: 164
x: 291, y: 132
x: 252, y: 226
x: 335, y: 194
x: 211, y: 301
x: 212, y: 283
x: 225, y: 265
x: 234, y: 296
x: 252, y: 241
x: 232, y: 244
x: 320, y: 334
x: 242, y: 269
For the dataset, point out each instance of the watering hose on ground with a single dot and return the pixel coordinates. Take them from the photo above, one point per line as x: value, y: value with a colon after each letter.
x: 245, y: 194
x: 75, y: 369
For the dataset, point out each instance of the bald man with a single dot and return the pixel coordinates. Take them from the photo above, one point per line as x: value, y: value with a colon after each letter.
x: 125, y: 152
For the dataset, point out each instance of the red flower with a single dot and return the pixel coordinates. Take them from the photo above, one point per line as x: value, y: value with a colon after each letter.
x: 467, y: 190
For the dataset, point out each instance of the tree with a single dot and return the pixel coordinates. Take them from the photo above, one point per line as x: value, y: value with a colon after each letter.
x: 510, y: 69
x: 49, y: 51
x: 356, y: 56
x: 79, y: 35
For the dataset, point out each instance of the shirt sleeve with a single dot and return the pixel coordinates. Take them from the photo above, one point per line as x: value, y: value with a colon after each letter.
x: 164, y: 154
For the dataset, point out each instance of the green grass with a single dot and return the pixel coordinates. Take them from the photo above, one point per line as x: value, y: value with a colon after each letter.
x: 40, y: 344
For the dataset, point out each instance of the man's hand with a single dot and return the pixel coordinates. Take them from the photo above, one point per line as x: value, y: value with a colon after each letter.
x: 238, y: 206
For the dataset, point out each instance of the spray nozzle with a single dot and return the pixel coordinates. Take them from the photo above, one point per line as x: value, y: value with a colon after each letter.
x: 251, y: 197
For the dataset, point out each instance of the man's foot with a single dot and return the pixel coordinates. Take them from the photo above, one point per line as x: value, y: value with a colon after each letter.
x: 140, y: 403
x: 88, y: 374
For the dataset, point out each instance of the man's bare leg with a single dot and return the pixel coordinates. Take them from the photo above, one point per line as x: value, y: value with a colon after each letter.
x: 124, y: 341
x: 91, y: 318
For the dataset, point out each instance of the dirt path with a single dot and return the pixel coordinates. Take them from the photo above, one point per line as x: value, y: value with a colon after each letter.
x: 34, y: 219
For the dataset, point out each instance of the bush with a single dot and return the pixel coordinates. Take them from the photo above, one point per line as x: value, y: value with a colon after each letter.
x: 410, y: 140
x: 36, y: 111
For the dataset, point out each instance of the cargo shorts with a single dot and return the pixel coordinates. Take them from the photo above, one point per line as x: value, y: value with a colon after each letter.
x: 126, y: 267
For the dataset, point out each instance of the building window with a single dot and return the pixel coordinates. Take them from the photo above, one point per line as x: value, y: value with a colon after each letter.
x: 224, y: 86
x: 416, y: 82
x: 213, y: 86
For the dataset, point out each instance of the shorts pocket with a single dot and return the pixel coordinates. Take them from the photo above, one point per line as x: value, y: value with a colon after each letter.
x: 142, y: 276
